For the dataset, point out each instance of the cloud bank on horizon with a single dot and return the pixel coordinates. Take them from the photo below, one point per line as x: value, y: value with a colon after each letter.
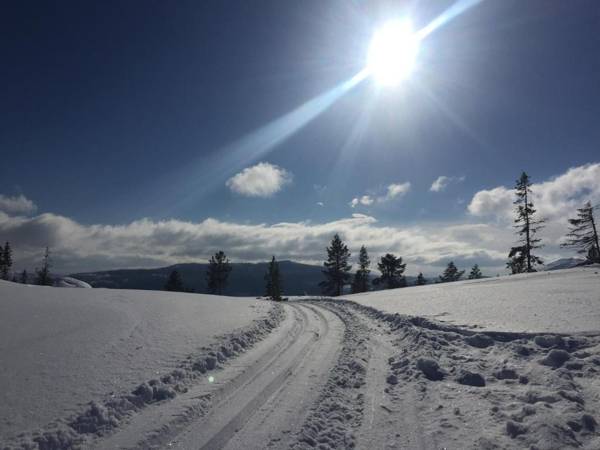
x: 428, y: 247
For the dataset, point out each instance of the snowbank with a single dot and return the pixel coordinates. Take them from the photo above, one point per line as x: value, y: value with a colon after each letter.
x: 71, y: 282
x: 561, y: 301
x: 62, y: 348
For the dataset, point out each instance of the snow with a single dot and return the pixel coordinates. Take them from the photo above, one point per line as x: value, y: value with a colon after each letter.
x: 561, y: 301
x: 71, y: 282
x: 61, y: 348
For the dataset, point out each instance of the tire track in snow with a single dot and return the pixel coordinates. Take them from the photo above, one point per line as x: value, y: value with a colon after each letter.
x: 275, y: 378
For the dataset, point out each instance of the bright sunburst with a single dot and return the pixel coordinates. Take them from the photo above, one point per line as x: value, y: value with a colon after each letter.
x: 392, y: 53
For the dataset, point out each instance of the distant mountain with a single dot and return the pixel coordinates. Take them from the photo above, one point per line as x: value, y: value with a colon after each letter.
x: 247, y: 279
x: 564, y: 263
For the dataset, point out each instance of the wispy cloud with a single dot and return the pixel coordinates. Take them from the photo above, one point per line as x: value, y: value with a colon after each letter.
x: 442, y: 182
x: 393, y: 191
x: 262, y: 180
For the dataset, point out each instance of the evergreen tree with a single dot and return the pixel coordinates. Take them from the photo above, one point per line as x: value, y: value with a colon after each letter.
x: 6, y: 261
x: 43, y: 277
x: 218, y: 273
x: 421, y: 280
x: 391, y: 269
x: 174, y: 282
x: 273, y: 281
x: 361, y: 277
x: 527, y: 226
x: 451, y: 273
x: 475, y: 273
x: 337, y: 269
x: 583, y: 234
x: 24, y: 277
x: 1, y: 261
x: 516, y: 264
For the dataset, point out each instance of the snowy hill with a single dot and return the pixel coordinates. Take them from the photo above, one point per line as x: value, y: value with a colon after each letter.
x: 75, y: 345
x: 557, y: 301
x: 564, y: 263
x: 417, y: 367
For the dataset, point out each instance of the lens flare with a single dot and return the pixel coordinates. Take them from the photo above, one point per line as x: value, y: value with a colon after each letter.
x: 392, y: 53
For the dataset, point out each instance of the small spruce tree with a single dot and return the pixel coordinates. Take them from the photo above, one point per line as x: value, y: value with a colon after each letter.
x: 217, y: 273
x: 361, y: 277
x: 451, y: 273
x: 6, y: 261
x: 174, y: 282
x: 421, y: 280
x: 583, y: 233
x: 273, y: 281
x: 337, y: 269
x: 516, y: 264
x: 392, y: 270
x: 527, y: 226
x: 24, y: 277
x: 43, y: 277
x: 475, y: 273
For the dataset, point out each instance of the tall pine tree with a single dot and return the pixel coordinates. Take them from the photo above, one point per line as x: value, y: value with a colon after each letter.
x: 451, y: 273
x: 421, y: 280
x: 392, y: 270
x: 174, y: 282
x: 475, y: 273
x: 7, y: 262
x: 361, y: 277
x: 527, y: 226
x: 337, y: 269
x: 217, y: 273
x: 583, y: 233
x: 273, y: 281
x: 43, y: 277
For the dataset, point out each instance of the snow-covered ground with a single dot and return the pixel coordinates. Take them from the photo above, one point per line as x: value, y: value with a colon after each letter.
x: 61, y: 348
x: 364, y: 371
x: 560, y: 301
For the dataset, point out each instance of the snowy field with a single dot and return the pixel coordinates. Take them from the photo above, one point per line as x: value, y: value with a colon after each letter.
x: 61, y: 348
x: 560, y: 301
x: 193, y: 371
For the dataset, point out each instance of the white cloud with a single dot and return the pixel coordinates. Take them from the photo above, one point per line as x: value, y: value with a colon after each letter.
x: 365, y: 200
x: 16, y: 205
x: 497, y: 201
x: 555, y: 200
x: 320, y: 204
x: 394, y: 190
x: 261, y: 180
x: 442, y: 182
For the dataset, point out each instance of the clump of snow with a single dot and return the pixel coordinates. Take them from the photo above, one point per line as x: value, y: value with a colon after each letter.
x: 70, y: 282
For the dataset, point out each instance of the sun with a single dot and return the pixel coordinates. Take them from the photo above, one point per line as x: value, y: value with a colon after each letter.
x: 392, y: 53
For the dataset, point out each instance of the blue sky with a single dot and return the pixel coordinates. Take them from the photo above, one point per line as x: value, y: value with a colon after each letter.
x: 121, y: 111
